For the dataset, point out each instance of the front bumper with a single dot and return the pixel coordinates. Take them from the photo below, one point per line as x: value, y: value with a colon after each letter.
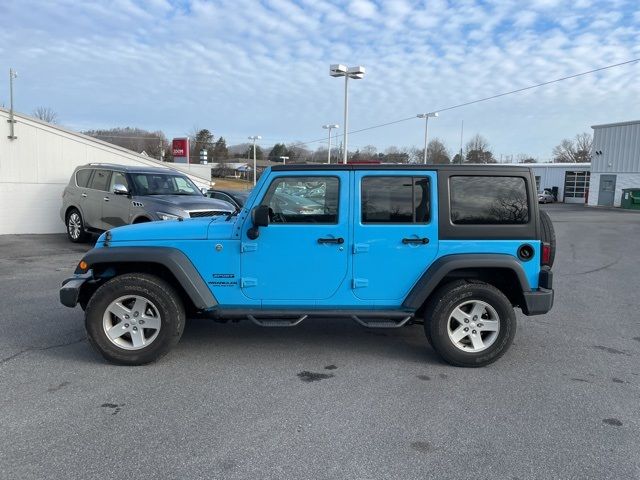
x: 70, y: 290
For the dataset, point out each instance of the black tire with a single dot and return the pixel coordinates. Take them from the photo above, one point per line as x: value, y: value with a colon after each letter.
x: 442, y: 304
x: 548, y: 234
x: 164, y: 298
x: 75, y: 233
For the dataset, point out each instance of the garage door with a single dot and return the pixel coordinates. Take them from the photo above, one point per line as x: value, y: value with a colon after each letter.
x: 576, y: 185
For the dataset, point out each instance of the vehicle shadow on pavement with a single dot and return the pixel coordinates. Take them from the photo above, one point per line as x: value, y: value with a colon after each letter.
x: 340, y: 336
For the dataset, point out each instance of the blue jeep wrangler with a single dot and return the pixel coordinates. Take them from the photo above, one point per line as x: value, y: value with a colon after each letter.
x: 455, y: 246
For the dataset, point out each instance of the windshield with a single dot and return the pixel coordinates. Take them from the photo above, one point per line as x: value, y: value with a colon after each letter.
x: 241, y: 197
x: 164, y: 184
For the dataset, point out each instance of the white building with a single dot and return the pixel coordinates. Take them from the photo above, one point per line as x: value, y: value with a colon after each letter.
x: 571, y: 179
x: 36, y: 166
x: 615, y: 162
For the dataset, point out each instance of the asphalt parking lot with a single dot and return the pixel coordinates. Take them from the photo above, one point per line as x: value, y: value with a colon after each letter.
x: 330, y: 399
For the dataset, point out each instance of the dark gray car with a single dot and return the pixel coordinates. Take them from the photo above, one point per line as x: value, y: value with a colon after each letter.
x: 104, y: 196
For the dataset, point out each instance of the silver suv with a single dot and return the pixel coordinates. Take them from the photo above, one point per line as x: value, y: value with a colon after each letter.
x: 104, y: 196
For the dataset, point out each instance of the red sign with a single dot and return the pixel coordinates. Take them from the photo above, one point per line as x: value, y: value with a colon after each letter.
x: 180, y: 147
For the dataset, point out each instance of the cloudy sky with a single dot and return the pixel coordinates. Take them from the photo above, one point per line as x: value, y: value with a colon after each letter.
x: 261, y: 67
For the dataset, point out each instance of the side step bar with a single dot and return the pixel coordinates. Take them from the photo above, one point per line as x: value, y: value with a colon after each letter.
x: 290, y: 318
x: 269, y: 322
x: 382, y: 323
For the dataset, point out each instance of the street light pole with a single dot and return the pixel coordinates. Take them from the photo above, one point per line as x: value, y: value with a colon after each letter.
x: 426, y: 117
x: 346, y: 118
x: 337, y: 70
x: 254, y: 138
x: 12, y: 74
x: 284, y: 159
x: 329, y: 127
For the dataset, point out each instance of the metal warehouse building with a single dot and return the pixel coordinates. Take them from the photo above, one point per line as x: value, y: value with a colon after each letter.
x: 571, y: 179
x: 37, y: 164
x: 615, y: 162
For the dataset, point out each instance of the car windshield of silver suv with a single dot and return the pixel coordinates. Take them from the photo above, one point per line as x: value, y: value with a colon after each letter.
x: 164, y: 184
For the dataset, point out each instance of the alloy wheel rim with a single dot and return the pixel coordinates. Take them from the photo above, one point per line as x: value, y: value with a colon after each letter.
x: 473, y: 326
x: 74, y: 225
x: 131, y: 322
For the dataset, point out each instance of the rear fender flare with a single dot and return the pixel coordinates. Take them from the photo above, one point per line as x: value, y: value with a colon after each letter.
x: 430, y: 280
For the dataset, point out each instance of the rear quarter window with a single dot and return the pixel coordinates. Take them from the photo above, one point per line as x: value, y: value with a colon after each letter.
x: 82, y: 177
x: 487, y: 200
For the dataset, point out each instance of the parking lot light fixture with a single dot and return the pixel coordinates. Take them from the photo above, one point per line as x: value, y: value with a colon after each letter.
x: 284, y: 159
x: 355, y: 73
x: 330, y: 126
x: 254, y: 138
x: 426, y: 117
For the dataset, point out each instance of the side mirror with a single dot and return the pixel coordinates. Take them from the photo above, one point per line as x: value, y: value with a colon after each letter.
x: 260, y: 218
x: 120, y: 189
x: 204, y: 191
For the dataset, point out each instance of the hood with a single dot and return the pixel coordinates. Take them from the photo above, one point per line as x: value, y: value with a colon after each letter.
x: 189, y: 229
x: 216, y: 228
x: 189, y: 202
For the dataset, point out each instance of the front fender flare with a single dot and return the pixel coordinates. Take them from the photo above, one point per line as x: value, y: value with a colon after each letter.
x: 173, y: 259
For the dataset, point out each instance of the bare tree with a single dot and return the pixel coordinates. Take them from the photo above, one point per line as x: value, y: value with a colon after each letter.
x: 139, y: 140
x: 584, y: 143
x: 477, y: 150
x: 524, y: 158
x: 572, y: 151
x: 45, y: 114
x: 437, y: 153
x: 368, y: 152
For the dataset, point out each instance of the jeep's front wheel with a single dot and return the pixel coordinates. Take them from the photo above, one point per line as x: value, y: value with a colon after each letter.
x: 134, y: 319
x: 470, y: 324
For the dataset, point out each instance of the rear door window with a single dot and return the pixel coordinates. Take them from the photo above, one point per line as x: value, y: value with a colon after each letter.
x: 482, y: 200
x: 100, y: 180
x: 395, y: 199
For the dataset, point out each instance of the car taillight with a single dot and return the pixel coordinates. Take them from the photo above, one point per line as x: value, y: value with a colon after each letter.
x: 546, y: 254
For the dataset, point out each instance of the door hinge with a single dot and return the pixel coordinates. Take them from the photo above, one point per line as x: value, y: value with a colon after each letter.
x: 360, y: 247
x: 248, y: 282
x: 248, y: 247
x: 359, y: 283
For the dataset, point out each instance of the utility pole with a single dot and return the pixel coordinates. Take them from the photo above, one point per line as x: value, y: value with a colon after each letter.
x: 12, y: 74
x: 461, y: 134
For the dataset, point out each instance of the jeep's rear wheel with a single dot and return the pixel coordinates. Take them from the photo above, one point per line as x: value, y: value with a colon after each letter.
x: 134, y: 319
x: 75, y: 226
x: 470, y: 324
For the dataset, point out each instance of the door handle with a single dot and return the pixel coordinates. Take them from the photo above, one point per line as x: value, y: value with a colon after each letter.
x: 338, y: 240
x: 84, y: 195
x: 106, y: 199
x: 416, y: 241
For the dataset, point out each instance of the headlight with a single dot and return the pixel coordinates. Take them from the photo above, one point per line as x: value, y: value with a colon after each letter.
x: 167, y: 216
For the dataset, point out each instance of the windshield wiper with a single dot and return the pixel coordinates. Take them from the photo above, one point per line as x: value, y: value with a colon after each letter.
x: 233, y: 214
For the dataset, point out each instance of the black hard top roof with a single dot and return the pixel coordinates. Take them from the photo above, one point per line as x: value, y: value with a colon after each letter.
x: 400, y: 166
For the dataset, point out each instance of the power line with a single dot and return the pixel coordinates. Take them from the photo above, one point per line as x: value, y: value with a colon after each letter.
x: 465, y: 104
